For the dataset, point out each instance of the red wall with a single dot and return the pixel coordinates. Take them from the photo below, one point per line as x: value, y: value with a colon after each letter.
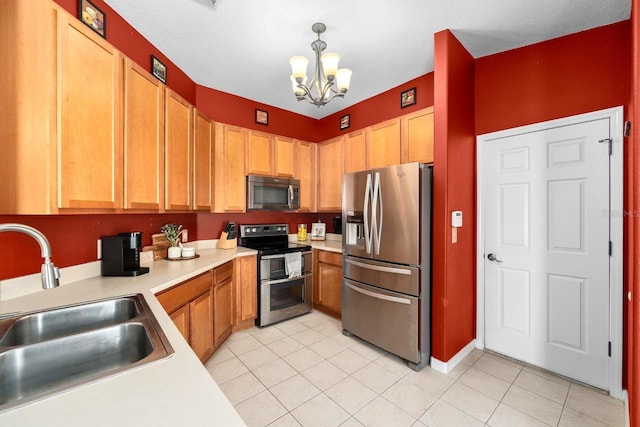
x: 581, y: 72
x: 234, y: 110
x: 453, y: 279
x: 378, y: 108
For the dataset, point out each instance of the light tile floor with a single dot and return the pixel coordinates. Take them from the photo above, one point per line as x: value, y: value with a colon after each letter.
x: 305, y: 372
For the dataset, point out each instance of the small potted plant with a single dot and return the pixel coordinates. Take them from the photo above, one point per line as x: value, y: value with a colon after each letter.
x: 173, y: 232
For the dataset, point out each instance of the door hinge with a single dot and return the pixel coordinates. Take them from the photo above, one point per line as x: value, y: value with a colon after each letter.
x: 609, y: 348
x: 610, y: 142
x: 610, y: 248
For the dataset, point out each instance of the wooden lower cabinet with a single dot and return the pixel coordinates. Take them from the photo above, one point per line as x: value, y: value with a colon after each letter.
x: 245, y: 292
x: 327, y: 282
x: 222, y: 303
x: 190, y: 306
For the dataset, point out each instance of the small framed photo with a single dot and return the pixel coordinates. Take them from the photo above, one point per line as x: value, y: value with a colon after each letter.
x: 158, y: 69
x: 318, y: 230
x: 262, y: 117
x: 345, y: 122
x: 408, y: 97
x: 92, y: 17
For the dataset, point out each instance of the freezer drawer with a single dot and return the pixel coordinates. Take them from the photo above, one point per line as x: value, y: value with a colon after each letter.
x: 386, y: 319
x: 394, y: 277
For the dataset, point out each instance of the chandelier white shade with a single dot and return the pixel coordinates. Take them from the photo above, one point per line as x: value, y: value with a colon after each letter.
x: 326, y: 73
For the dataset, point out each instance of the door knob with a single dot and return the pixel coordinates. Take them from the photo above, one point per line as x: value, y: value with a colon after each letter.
x: 493, y: 257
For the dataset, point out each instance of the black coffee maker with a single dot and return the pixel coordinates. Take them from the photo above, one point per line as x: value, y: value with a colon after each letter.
x: 337, y: 224
x: 121, y: 255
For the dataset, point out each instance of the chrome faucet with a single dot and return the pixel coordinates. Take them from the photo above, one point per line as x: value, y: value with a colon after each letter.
x: 50, y: 273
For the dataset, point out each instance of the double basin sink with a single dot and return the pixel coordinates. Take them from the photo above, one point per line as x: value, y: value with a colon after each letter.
x: 45, y: 352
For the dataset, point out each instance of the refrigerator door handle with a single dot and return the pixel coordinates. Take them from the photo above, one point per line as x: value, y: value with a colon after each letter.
x: 379, y: 296
x: 365, y: 214
x: 376, y: 224
x: 379, y: 267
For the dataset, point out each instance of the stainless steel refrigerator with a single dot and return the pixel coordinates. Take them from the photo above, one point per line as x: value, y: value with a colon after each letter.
x: 386, y: 240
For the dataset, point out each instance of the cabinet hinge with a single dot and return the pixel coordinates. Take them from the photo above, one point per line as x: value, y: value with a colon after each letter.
x: 609, y: 348
x: 610, y: 248
x: 610, y: 142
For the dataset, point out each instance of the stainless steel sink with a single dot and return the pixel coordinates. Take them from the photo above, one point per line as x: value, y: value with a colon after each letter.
x: 49, y: 324
x: 46, y: 352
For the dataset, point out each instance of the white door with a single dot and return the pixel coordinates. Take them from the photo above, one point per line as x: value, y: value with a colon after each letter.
x: 546, y: 249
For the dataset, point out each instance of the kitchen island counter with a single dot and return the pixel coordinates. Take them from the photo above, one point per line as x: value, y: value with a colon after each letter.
x: 176, y: 390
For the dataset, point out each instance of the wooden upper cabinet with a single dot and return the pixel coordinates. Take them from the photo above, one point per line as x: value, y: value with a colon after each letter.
x: 383, y: 141
x: 355, y: 158
x: 330, y: 159
x: 417, y: 136
x: 284, y: 156
x: 306, y: 173
x: 28, y: 108
x: 89, y: 90
x: 230, y: 186
x: 203, y: 137
x: 143, y: 139
x: 259, y: 153
x: 178, y: 130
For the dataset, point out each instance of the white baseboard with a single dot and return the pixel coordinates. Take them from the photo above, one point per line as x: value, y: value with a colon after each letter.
x: 449, y: 365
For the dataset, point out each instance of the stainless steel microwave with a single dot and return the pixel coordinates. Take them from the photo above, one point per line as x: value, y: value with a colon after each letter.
x: 275, y: 194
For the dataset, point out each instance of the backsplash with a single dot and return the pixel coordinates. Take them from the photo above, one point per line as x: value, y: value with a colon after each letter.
x: 73, y: 238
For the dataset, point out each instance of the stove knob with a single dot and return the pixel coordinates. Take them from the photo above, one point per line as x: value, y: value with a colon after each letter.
x: 253, y: 229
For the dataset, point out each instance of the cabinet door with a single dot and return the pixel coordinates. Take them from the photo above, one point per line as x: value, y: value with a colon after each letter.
x: 222, y: 311
x: 245, y: 290
x: 202, y: 162
x: 89, y: 118
x: 284, y: 154
x: 330, y: 175
x: 355, y: 158
x: 259, y: 153
x: 417, y: 136
x: 201, y: 325
x: 306, y: 173
x: 327, y: 290
x: 180, y: 318
x: 230, y: 181
x: 383, y: 141
x: 143, y: 139
x: 177, y: 159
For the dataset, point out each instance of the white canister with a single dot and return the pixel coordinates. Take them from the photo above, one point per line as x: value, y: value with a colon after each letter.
x: 174, y: 252
x: 188, y: 252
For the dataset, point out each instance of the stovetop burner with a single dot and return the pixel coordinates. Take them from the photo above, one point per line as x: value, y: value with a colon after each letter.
x: 269, y: 239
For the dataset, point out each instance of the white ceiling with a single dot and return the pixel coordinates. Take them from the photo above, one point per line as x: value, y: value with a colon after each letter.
x: 243, y: 46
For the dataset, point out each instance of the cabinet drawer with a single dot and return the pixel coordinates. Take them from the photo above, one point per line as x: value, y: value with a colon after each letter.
x: 185, y: 292
x: 223, y: 272
x: 330, y: 257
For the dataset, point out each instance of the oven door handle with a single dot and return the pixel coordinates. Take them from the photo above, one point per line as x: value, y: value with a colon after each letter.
x: 379, y: 296
x: 267, y: 257
x: 286, y: 279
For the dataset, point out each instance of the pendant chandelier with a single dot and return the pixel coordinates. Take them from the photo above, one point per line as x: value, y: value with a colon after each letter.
x: 320, y: 90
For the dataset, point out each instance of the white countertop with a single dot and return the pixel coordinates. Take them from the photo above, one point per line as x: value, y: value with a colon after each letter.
x: 174, y: 391
x: 332, y: 242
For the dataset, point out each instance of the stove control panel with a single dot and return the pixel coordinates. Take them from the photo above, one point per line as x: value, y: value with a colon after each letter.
x: 261, y: 230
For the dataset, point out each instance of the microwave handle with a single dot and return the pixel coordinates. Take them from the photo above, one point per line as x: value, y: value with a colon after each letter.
x: 290, y: 197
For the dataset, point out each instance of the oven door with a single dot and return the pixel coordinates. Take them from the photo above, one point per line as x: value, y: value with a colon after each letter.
x: 281, y: 297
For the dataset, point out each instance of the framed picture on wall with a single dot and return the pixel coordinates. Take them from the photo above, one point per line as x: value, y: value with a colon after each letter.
x: 345, y: 122
x: 262, y: 117
x: 158, y: 69
x: 92, y: 17
x: 408, y: 97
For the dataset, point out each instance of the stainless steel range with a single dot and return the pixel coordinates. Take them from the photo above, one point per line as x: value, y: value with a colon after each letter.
x: 285, y: 281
